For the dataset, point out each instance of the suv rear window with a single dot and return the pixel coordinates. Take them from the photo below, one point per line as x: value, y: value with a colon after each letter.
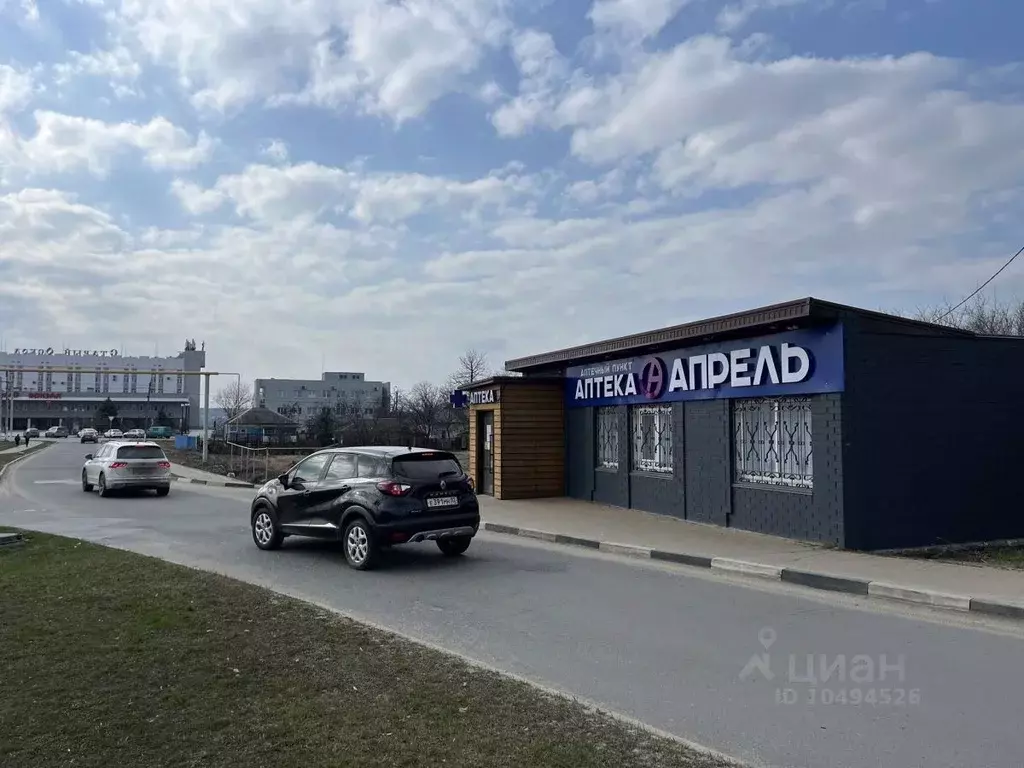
x: 430, y: 467
x: 140, y: 452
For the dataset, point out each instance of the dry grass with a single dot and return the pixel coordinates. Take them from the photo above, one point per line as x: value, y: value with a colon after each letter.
x: 109, y: 658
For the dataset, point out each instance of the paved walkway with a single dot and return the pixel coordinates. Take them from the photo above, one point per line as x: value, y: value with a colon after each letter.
x: 188, y: 474
x: 630, y: 531
x: 22, y: 448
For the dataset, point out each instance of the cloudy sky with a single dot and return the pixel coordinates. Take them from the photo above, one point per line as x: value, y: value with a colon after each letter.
x: 384, y: 184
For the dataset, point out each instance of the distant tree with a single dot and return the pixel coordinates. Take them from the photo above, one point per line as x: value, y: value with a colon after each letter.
x: 426, y: 402
x: 472, y: 367
x: 234, y: 399
x: 980, y: 315
x: 106, y: 413
x: 323, y: 426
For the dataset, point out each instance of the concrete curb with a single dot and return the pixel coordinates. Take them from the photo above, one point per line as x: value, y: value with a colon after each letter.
x: 218, y: 484
x: 824, y: 581
x: 22, y: 455
x: 10, y: 539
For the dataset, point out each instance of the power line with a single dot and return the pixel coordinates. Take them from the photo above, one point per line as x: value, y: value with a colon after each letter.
x: 982, y: 286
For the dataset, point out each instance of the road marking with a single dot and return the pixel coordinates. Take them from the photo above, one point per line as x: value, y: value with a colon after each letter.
x: 55, y: 482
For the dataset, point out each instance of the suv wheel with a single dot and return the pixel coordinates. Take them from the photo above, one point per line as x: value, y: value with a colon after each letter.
x: 360, y: 548
x: 102, y: 485
x: 265, y: 531
x: 454, y: 545
x: 86, y: 485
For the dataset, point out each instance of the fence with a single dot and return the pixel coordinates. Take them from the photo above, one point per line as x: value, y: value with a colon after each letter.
x: 258, y: 464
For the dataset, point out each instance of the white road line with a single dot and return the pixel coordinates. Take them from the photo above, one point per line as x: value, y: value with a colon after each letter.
x: 55, y: 482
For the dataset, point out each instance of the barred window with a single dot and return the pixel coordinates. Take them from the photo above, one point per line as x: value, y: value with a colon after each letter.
x: 607, y: 436
x: 772, y: 441
x: 652, y: 438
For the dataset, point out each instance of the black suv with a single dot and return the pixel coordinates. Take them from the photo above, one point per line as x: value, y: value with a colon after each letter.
x: 370, y: 498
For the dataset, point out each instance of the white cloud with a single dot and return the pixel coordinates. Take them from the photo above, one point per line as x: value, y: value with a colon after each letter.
x: 67, y: 143
x: 634, y: 18
x: 279, y: 193
x: 542, y: 69
x: 276, y: 150
x: 393, y: 59
x: 16, y: 88
x: 116, y: 63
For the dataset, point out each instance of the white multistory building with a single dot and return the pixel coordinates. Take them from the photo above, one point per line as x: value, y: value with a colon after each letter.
x: 67, y: 387
x: 301, y: 398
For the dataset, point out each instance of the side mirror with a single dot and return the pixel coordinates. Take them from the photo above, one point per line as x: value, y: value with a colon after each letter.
x: 283, y: 480
x: 88, y: 457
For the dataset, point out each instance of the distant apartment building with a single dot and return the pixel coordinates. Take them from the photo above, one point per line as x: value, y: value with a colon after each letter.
x: 301, y: 398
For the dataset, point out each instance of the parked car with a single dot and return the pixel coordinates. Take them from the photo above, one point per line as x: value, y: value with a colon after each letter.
x: 56, y: 432
x: 118, y: 465
x: 135, y: 434
x: 370, y: 498
x: 31, y: 432
x: 113, y: 434
x: 89, y: 435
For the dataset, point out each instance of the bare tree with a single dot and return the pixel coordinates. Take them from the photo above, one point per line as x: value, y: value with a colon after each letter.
x: 235, y: 398
x: 472, y: 367
x: 426, y: 402
x: 980, y: 315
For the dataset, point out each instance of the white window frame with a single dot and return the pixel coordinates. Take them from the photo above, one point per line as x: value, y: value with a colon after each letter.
x: 762, y: 449
x: 659, y: 460
x: 606, y: 437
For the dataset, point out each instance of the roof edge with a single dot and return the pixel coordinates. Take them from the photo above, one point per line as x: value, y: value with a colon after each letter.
x: 752, y: 318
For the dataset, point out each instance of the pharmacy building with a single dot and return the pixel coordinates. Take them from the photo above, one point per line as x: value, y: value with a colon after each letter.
x: 809, y: 420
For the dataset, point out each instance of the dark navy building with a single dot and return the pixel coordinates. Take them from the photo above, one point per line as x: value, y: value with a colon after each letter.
x: 809, y: 420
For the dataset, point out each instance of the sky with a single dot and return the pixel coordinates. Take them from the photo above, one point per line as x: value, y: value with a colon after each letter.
x: 380, y: 186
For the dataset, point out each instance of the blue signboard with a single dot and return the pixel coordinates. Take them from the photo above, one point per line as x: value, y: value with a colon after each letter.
x: 800, y: 362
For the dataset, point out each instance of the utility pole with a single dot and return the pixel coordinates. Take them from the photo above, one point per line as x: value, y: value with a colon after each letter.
x: 206, y: 417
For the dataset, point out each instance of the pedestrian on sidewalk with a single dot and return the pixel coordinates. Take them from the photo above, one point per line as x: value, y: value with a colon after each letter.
x: 17, y: 441
x: 26, y: 439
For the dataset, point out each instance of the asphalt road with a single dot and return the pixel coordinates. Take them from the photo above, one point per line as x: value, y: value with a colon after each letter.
x: 666, y: 645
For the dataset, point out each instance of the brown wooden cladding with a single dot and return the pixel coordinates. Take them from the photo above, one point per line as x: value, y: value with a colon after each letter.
x: 529, y: 441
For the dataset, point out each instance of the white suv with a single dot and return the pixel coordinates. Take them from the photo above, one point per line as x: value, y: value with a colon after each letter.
x: 119, y: 465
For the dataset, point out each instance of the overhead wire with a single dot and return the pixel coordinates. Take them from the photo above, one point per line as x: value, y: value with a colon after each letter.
x: 981, y: 287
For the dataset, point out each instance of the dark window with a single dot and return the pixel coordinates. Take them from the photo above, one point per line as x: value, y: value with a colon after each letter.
x: 427, y: 468
x: 309, y: 470
x: 343, y: 466
x: 140, y: 452
x: 372, y: 466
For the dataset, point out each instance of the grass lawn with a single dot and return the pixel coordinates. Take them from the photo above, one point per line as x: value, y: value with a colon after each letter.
x: 7, y: 458
x: 997, y: 556
x: 109, y: 658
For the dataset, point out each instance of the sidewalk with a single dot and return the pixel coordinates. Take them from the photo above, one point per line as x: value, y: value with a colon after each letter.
x: 22, y: 448
x: 994, y: 591
x: 200, y: 477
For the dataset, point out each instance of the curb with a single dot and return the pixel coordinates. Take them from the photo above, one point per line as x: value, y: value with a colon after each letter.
x: 823, y: 581
x: 22, y: 455
x: 226, y: 484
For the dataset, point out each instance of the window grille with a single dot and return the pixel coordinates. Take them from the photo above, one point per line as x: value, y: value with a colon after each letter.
x: 607, y: 435
x: 772, y: 441
x: 652, y: 438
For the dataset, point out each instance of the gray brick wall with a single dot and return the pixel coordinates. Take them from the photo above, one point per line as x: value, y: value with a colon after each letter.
x: 932, y: 432
x: 810, y: 515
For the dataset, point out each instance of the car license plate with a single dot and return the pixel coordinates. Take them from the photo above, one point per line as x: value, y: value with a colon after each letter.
x: 442, y: 501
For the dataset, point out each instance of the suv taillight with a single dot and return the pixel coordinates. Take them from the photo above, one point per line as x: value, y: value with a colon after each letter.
x: 393, y: 488
x: 470, y: 483
x: 165, y: 465
x: 118, y: 464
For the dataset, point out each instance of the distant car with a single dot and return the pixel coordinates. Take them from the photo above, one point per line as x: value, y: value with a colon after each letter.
x: 119, y: 465
x: 113, y: 434
x: 135, y: 434
x: 370, y: 498
x: 31, y: 432
x: 56, y: 432
x: 89, y: 435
